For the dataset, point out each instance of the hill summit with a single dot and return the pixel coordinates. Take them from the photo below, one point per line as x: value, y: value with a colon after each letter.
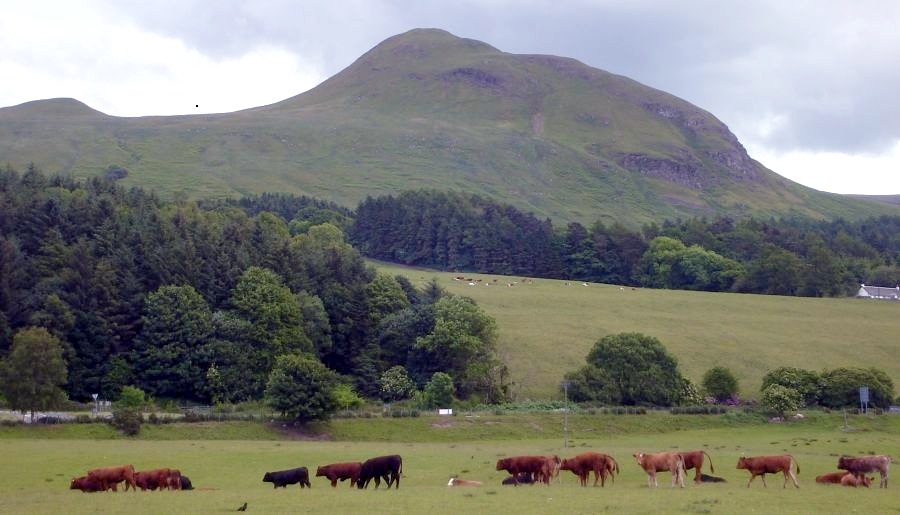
x: 427, y: 109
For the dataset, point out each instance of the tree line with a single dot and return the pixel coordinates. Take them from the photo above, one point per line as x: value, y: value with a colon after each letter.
x: 204, y: 301
x: 790, y: 256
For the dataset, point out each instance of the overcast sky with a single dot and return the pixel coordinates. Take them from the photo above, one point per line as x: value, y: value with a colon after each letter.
x: 809, y: 87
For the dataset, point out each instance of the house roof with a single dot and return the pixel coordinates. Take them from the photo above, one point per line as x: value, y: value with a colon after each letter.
x: 879, y: 292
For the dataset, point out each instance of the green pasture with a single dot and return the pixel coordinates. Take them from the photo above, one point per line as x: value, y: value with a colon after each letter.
x: 548, y: 326
x: 36, y: 471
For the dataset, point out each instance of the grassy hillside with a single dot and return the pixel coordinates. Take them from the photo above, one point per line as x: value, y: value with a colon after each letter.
x: 548, y: 326
x: 426, y: 109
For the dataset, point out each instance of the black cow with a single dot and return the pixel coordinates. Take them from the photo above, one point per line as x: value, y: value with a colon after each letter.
x: 186, y: 483
x: 382, y: 467
x: 288, y: 477
x: 524, y: 478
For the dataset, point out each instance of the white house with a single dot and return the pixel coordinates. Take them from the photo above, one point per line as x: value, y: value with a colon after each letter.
x: 878, y: 292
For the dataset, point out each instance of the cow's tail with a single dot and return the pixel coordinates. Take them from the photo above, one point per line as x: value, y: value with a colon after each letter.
x: 795, y: 463
x: 711, y: 469
x: 616, y: 464
x: 400, y: 471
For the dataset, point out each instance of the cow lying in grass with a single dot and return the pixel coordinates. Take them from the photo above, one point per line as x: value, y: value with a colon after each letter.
x: 455, y: 481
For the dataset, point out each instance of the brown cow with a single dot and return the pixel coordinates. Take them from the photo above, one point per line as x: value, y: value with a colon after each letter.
x: 694, y: 460
x: 114, y: 475
x: 537, y: 466
x: 340, y: 472
x: 174, y: 480
x: 863, y: 464
x: 152, y: 479
x: 388, y: 468
x: 832, y: 478
x: 851, y: 480
x: 612, y: 469
x: 585, y: 463
x: 653, y: 463
x: 762, y: 465
x: 87, y: 485
x: 553, y: 462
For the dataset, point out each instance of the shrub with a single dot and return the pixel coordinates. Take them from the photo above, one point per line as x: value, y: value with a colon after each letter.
x: 778, y: 400
x: 396, y: 385
x: 301, y: 387
x: 127, y: 420
x: 720, y: 383
x: 840, y: 387
x: 346, y: 397
x: 132, y: 398
x: 127, y: 414
x: 438, y: 392
x: 804, y: 382
x: 629, y: 369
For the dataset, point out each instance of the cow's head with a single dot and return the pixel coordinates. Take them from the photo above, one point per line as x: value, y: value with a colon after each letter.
x: 502, y: 463
x: 76, y: 482
x: 320, y: 471
x: 844, y: 462
x: 564, y: 465
x: 267, y: 478
x: 742, y: 462
x: 639, y: 457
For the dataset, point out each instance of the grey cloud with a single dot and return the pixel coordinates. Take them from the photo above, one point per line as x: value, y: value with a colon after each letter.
x: 829, y: 69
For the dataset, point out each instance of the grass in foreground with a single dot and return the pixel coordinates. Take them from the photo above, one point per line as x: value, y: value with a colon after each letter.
x: 226, y: 473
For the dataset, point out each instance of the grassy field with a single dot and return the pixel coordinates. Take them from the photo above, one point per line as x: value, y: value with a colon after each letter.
x: 547, y: 327
x: 36, y: 471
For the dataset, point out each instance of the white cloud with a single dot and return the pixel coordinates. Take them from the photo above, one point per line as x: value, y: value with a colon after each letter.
x: 837, y: 172
x: 119, y: 68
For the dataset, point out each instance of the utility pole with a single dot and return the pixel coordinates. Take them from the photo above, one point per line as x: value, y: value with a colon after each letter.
x: 565, y: 385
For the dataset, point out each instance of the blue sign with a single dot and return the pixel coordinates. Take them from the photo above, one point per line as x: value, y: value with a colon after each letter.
x: 863, y: 394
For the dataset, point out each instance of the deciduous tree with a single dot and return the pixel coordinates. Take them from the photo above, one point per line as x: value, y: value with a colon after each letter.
x: 33, y: 374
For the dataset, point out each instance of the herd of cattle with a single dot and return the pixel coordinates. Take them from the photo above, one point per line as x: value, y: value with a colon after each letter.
x: 521, y: 469
x: 531, y: 469
x: 108, y: 478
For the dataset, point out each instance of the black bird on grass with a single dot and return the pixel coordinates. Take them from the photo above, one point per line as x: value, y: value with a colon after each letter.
x: 243, y: 507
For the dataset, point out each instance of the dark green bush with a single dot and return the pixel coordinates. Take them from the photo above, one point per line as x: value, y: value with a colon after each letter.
x: 128, y: 421
x: 628, y: 369
x: 720, y: 383
x: 840, y: 387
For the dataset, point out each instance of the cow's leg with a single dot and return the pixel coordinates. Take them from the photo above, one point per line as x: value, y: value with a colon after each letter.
x: 697, y: 474
x: 763, y: 477
x: 793, y: 478
x: 752, y: 477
